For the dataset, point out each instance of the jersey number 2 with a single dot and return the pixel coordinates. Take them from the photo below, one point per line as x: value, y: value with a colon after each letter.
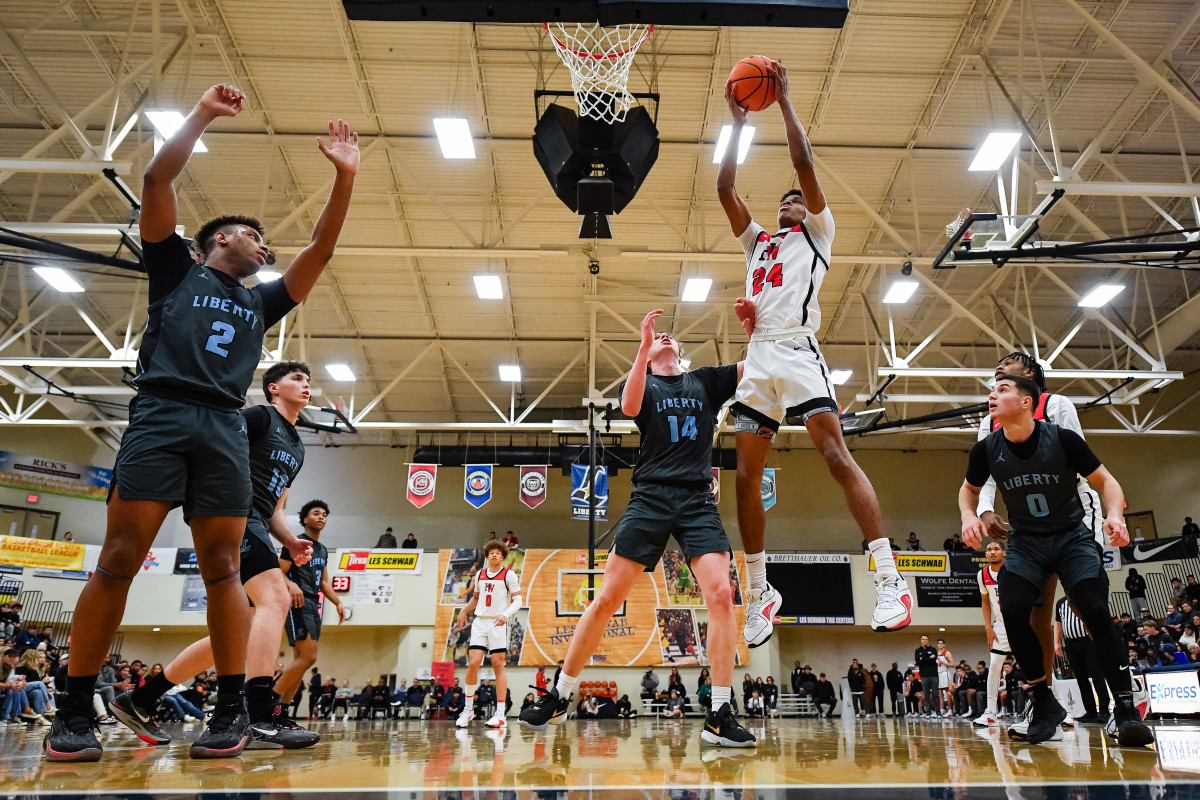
x: 224, y: 335
x: 761, y: 277
x: 689, y: 428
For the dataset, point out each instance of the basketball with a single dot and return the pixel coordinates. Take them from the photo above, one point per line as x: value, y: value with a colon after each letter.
x: 753, y: 84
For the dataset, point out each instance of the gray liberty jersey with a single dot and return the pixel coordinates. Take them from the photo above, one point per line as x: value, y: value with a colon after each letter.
x: 276, y: 457
x: 1040, y: 493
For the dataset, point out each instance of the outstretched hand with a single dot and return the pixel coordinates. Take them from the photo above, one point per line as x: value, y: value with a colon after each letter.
x: 746, y: 314
x: 648, y: 328
x: 223, y: 100
x: 779, y: 73
x: 342, y: 149
x: 740, y: 115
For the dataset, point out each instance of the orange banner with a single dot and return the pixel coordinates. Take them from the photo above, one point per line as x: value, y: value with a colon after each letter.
x: 663, y: 622
x: 20, y: 551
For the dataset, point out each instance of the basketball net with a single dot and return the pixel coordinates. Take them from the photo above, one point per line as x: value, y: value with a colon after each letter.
x: 599, y: 59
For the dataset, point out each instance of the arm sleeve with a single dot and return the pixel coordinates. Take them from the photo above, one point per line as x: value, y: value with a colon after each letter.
x: 978, y: 471
x: 1062, y: 413
x: 258, y: 421
x: 276, y: 302
x: 167, y: 263
x: 1079, y: 456
x: 749, y: 237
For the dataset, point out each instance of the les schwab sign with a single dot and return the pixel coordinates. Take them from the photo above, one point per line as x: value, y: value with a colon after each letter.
x: 380, y: 561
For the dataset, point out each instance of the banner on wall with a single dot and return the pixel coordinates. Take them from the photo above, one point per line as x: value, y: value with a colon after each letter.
x: 767, y: 489
x: 1171, y: 549
x: 159, y: 561
x: 532, y: 486
x: 1111, y: 557
x: 380, y: 562
x: 19, y: 551
x: 32, y: 473
x: 715, y: 486
x: 374, y: 590
x: 185, y: 561
x: 958, y: 589
x: 915, y: 561
x: 195, y: 597
x: 477, y: 484
x: 579, y: 492
x: 422, y: 482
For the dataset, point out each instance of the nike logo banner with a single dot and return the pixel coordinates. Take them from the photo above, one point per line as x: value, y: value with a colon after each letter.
x: 1172, y: 549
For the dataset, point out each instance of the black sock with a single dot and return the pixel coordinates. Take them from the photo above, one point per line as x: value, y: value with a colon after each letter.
x: 230, y: 687
x: 260, y: 697
x: 147, y: 695
x: 83, y: 686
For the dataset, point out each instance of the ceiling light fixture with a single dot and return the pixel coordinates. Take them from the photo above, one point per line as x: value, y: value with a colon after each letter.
x: 488, y: 287
x: 59, y: 279
x: 696, y: 290
x: 839, y: 377
x: 340, y: 372
x: 1101, y: 295
x: 510, y: 373
x: 900, y: 292
x: 268, y: 275
x: 743, y: 143
x: 454, y: 136
x: 994, y: 150
x: 166, y: 123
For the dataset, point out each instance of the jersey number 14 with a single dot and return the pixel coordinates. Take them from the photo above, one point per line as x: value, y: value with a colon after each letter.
x: 689, y: 428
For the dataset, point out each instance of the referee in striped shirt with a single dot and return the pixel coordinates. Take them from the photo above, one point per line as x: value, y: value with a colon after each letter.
x: 1071, y: 636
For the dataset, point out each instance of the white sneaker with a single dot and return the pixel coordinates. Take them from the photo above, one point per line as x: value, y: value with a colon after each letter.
x: 987, y: 719
x: 893, y: 602
x: 496, y: 721
x: 188, y: 718
x: 464, y: 718
x: 760, y: 613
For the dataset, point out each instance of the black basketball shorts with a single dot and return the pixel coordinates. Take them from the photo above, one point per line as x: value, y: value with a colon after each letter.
x: 303, y: 623
x: 258, y: 556
x: 656, y: 511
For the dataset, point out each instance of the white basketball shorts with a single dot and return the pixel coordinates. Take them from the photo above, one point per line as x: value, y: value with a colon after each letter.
x: 488, y: 636
x: 783, y: 381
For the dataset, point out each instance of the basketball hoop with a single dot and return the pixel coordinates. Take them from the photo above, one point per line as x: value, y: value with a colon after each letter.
x: 599, y: 59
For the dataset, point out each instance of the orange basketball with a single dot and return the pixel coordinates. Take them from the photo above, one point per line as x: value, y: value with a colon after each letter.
x: 753, y: 84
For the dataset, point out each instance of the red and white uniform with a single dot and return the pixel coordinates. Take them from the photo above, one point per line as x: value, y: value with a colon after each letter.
x: 495, y: 593
x: 990, y: 589
x: 785, y: 378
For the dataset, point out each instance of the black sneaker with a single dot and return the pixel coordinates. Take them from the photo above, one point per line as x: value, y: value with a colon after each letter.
x: 278, y: 730
x: 138, y: 719
x: 72, y: 736
x: 548, y: 709
x: 723, y: 730
x: 1048, y: 716
x: 226, y: 732
x: 1126, y: 724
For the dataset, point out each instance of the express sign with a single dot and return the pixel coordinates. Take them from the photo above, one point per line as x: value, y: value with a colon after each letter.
x: 1174, y: 692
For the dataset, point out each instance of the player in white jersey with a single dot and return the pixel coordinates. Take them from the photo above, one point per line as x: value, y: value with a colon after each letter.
x: 993, y: 623
x: 495, y: 598
x: 785, y: 379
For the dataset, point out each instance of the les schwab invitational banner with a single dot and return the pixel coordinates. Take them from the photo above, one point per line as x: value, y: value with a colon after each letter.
x: 664, y: 621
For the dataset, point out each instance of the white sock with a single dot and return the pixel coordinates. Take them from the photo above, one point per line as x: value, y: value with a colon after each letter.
x: 469, y: 696
x: 995, y: 675
x: 720, y: 697
x: 756, y: 565
x: 566, y: 685
x: 881, y: 549
x: 500, y: 709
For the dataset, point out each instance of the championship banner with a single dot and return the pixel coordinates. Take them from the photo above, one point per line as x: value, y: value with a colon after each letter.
x: 768, y: 488
x: 916, y: 562
x: 30, y: 473
x: 715, y: 486
x: 20, y: 551
x: 477, y: 484
x: 531, y: 488
x: 663, y: 622
x: 422, y: 482
x: 380, y: 562
x: 579, y: 492
x: 1171, y: 549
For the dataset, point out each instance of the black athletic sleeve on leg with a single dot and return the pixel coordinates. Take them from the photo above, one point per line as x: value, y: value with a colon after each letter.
x: 1079, y: 456
x: 978, y: 470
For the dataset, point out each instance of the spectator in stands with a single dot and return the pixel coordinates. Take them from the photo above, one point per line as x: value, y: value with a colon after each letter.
x: 1128, y: 627
x: 491, y: 538
x: 341, y: 699
x: 754, y: 705
x: 625, y: 709
x: 949, y: 544
x: 1177, y: 595
x: 33, y: 667
x: 314, y: 693
x: 808, y: 681
x: 539, y: 679
x: 877, y: 689
x: 894, y: 683
x: 27, y: 638
x: 856, y: 677
x: 409, y: 543
x: 675, y: 684
x: 176, y: 700
x: 913, y: 542
x: 1194, y: 653
x: 14, y: 699
x: 797, y: 672
x: 510, y: 540
x: 485, y: 700
x: 649, y: 682
x: 824, y: 695
x: 9, y: 619
x: 1190, y: 528
x: 416, y: 699
x: 705, y: 677
x: 589, y: 708
x: 1187, y: 638
x: 1160, y: 643
x: 70, y: 537
x: 1173, y: 622
x: 399, y: 700
x: 674, y: 707
x: 362, y: 700
x: 437, y: 698
x: 770, y: 696
x: 1007, y: 685
x: 387, y: 541
x: 895, y: 547
x: 1135, y: 584
x: 704, y: 695
x: 529, y: 700
x: 1192, y: 591
x: 454, y: 702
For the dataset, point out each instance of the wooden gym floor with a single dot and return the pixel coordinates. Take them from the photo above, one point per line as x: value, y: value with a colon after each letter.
x: 878, y: 758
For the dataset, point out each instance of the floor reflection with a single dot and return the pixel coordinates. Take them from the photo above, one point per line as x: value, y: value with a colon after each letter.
x: 879, y: 758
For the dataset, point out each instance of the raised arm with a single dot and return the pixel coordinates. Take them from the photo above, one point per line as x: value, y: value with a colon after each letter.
x: 306, y: 268
x: 635, y: 384
x: 159, y: 212
x: 735, y: 207
x: 799, y: 148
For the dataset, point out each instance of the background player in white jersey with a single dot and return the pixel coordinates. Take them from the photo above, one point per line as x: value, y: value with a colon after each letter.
x: 993, y: 624
x: 496, y: 596
x: 785, y: 377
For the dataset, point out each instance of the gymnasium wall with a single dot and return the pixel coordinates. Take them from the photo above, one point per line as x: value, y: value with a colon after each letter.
x: 365, y: 487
